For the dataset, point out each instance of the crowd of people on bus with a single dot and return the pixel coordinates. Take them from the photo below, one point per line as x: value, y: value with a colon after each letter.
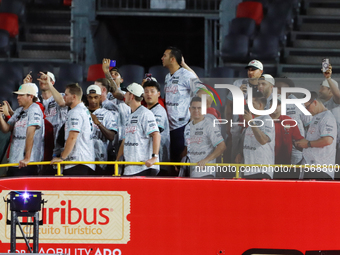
x: 105, y: 123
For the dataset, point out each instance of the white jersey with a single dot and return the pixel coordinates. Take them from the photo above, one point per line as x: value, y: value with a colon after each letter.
x: 335, y: 109
x: 21, y: 120
x: 123, y: 111
x: 79, y: 120
x: 201, y: 139
x: 256, y: 153
x: 179, y: 89
x: 163, y: 126
x: 138, y: 146
x: 55, y: 114
x: 323, y: 124
x: 237, y: 83
x: 108, y: 120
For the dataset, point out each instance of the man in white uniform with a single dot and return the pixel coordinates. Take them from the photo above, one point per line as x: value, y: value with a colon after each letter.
x: 78, y: 134
x: 141, y: 140
x: 330, y: 94
x: 203, y: 141
x: 255, y: 70
x: 54, y: 104
x: 27, y: 126
x: 319, y: 147
x: 105, y: 126
x: 259, y: 142
x: 180, y: 86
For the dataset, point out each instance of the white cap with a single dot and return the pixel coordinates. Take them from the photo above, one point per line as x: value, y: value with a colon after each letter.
x: 135, y: 89
x: 326, y: 84
x: 256, y: 64
x: 27, y: 88
x: 93, y: 89
x: 51, y: 75
x: 269, y: 78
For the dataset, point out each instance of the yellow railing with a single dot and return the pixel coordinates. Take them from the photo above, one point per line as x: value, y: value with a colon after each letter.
x: 117, y: 163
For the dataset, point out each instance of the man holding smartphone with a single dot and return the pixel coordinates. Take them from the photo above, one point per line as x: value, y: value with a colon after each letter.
x: 27, y: 126
x: 255, y: 70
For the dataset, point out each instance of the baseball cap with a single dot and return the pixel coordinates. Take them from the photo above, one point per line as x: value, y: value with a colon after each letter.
x: 255, y: 64
x: 115, y: 69
x: 136, y: 89
x: 27, y: 88
x: 326, y: 84
x: 51, y: 75
x: 269, y: 78
x: 94, y: 89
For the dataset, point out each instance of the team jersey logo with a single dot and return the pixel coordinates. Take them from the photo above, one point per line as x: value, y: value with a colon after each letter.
x: 130, y: 129
x: 171, y: 89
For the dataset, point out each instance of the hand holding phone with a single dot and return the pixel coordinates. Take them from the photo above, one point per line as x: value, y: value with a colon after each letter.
x: 325, y: 65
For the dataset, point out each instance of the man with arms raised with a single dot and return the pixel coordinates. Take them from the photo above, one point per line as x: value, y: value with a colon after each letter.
x: 105, y: 126
x: 141, y: 140
x: 54, y: 104
x: 180, y: 86
x: 255, y: 70
x: 204, y: 142
x: 78, y: 134
x: 27, y: 125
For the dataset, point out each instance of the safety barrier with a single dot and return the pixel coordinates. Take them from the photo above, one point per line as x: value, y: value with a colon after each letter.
x: 237, y: 167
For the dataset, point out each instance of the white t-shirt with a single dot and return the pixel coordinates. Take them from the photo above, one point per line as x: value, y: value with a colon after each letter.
x: 201, y: 139
x: 256, y: 153
x: 56, y: 115
x: 21, y: 120
x: 123, y: 111
x: 335, y: 110
x: 138, y: 146
x: 79, y: 120
x: 323, y: 124
x: 108, y: 120
x: 163, y: 126
x: 179, y: 89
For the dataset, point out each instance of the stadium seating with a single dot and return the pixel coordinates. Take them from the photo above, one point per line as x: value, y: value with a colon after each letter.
x: 95, y: 72
x: 221, y: 72
x: 235, y: 48
x: 72, y: 72
x: 265, y: 47
x: 131, y: 73
x: 253, y: 10
x: 159, y: 72
x: 265, y: 3
x: 13, y: 6
x: 275, y: 27
x: 11, y: 71
x: 4, y: 44
x: 282, y: 10
x: 9, y: 22
x: 200, y: 72
x: 243, y: 26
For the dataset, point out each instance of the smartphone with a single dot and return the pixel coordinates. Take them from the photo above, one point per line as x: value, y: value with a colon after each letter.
x: 325, y: 65
x: 148, y: 76
x: 112, y: 63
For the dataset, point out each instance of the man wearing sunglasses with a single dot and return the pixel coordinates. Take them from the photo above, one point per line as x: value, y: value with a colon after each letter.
x: 27, y: 125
